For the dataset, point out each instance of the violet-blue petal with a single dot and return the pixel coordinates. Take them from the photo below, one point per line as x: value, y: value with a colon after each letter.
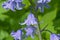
x: 19, y: 6
x: 54, y: 37
x: 11, y: 0
x: 41, y: 8
x: 13, y: 4
x: 5, y: 5
x: 17, y: 35
x: 58, y: 36
x: 30, y: 32
x: 31, y: 20
x: 41, y: 4
x: 46, y: 5
x: 18, y: 0
x: 9, y: 5
x: 40, y: 1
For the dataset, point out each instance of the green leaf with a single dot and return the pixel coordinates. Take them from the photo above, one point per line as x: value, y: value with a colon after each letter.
x: 3, y: 17
x: 57, y: 25
x: 2, y: 10
x: 26, y: 2
x: 51, y: 27
x: 3, y: 34
x: 9, y: 38
x: 47, y: 18
x: 35, y: 38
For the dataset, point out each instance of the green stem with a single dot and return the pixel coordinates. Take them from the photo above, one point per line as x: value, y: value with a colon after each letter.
x: 35, y: 13
x: 38, y: 27
x: 39, y: 33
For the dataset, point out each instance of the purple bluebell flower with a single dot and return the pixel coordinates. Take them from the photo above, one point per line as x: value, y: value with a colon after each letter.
x: 30, y: 31
x: 41, y: 4
x: 13, y: 4
x: 54, y: 37
x: 9, y: 5
x: 31, y: 20
x: 17, y: 35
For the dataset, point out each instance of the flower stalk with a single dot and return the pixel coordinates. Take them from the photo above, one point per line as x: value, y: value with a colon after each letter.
x: 35, y: 14
x: 38, y: 28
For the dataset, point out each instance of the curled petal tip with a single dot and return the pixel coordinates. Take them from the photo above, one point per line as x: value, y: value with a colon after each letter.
x: 22, y: 23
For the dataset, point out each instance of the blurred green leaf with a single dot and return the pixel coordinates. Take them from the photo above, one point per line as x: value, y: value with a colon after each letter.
x: 3, y: 34
x: 47, y: 18
x: 2, y: 10
x: 57, y: 25
x: 35, y: 38
x: 9, y: 38
x: 26, y: 2
x: 3, y: 17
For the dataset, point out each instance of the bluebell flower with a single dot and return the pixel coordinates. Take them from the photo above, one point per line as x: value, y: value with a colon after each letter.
x: 31, y: 20
x: 9, y: 5
x: 13, y: 4
x: 30, y: 31
x: 41, y: 4
x: 54, y: 37
x: 17, y: 35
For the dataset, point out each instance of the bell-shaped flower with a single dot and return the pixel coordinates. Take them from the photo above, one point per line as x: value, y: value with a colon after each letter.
x: 13, y: 4
x: 9, y: 5
x: 41, y: 4
x: 54, y: 37
x: 31, y: 20
x: 30, y: 31
x: 17, y: 35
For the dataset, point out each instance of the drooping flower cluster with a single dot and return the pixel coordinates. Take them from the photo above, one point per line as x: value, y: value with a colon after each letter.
x: 31, y: 20
x: 13, y: 4
x: 30, y: 29
x: 41, y: 4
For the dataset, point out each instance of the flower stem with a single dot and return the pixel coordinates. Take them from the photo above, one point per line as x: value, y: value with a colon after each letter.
x: 38, y: 26
x: 39, y: 33
x: 36, y: 15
